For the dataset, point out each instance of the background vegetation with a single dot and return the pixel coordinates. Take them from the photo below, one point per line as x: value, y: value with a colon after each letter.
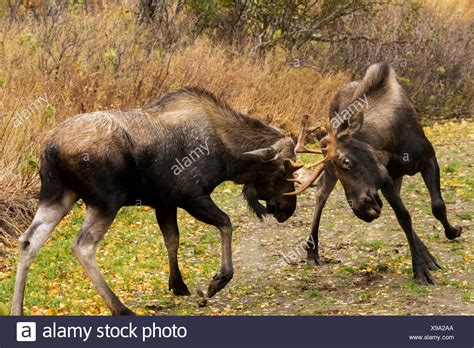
x: 273, y: 59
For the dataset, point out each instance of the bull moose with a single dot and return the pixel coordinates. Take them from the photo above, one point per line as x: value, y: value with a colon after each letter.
x: 374, y: 139
x: 117, y: 158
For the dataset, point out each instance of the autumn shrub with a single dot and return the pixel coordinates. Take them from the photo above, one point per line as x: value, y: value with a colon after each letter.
x: 428, y: 42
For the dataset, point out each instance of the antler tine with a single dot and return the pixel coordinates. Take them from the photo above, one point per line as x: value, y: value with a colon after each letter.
x: 307, y: 183
x: 317, y: 163
x: 329, y: 151
x: 304, y: 132
x: 295, y: 180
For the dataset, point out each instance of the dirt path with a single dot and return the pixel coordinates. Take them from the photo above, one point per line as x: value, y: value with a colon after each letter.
x: 367, y: 269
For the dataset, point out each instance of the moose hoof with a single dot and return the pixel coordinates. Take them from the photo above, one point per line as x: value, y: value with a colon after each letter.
x: 124, y: 311
x: 423, y: 275
x: 179, y: 288
x: 429, y: 259
x: 218, y: 283
x: 313, y: 259
x: 453, y: 232
x: 181, y: 291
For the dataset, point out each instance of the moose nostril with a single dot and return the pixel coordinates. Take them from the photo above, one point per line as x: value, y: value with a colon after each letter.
x: 368, y: 200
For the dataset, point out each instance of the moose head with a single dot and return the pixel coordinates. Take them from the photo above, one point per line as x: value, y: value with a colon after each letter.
x: 360, y: 168
x: 276, y: 166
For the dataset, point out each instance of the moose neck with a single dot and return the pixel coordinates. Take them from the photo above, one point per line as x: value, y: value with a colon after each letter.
x: 242, y: 171
x: 241, y: 133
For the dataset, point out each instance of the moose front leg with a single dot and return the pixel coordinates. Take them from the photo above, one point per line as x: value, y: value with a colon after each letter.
x: 325, y: 186
x: 205, y: 210
x: 421, y: 269
x: 430, y: 173
x: 166, y: 217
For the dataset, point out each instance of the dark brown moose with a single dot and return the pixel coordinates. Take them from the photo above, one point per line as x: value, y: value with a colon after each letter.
x: 374, y: 139
x: 170, y: 154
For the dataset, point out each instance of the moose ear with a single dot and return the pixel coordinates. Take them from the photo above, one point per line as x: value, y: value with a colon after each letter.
x: 264, y: 155
x: 352, y: 125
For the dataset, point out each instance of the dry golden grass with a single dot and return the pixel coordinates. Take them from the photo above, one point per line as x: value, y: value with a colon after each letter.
x: 52, y: 71
x: 270, y: 89
x: 459, y: 9
x: 110, y: 68
x: 80, y: 62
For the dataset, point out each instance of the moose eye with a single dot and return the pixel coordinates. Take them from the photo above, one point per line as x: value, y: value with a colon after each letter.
x: 346, y: 163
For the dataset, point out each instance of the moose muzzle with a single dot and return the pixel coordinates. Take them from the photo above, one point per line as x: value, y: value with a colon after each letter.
x: 368, y: 208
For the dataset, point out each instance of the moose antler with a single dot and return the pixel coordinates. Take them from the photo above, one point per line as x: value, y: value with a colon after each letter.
x: 329, y: 151
x: 304, y: 132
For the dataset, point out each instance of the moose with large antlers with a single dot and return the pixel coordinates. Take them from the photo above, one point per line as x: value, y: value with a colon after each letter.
x: 116, y: 158
x: 371, y: 148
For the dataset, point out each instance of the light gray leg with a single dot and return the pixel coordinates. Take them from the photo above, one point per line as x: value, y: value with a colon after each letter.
x: 95, y: 226
x: 46, y: 219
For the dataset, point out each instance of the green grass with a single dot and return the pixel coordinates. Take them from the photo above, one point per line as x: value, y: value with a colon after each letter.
x: 132, y: 257
x: 416, y: 288
x: 314, y: 294
x: 372, y: 245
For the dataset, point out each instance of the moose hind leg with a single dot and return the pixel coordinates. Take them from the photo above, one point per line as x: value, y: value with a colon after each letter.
x: 421, y: 269
x: 46, y: 219
x: 166, y: 218
x: 429, y: 259
x: 430, y: 173
x: 96, y: 224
